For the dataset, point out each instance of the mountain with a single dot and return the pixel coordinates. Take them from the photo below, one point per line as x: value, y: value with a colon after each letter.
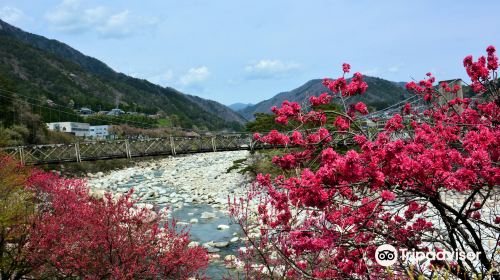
x: 216, y: 108
x: 380, y: 94
x: 239, y: 106
x: 48, y: 69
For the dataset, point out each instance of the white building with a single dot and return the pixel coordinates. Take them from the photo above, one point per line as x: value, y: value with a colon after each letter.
x: 77, y: 129
x: 99, y: 131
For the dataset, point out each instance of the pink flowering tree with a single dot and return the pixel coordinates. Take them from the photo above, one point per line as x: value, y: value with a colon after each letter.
x: 77, y: 236
x: 428, y: 180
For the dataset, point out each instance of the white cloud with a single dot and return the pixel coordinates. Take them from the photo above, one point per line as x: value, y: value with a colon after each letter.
x: 270, y: 68
x: 370, y: 72
x: 70, y: 17
x: 195, y: 75
x: 13, y: 15
x: 162, y: 79
x: 394, y: 68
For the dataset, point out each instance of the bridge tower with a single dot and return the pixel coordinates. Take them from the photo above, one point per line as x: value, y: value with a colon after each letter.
x: 447, y: 96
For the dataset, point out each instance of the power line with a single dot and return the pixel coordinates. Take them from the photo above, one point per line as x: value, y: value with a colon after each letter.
x: 109, y: 118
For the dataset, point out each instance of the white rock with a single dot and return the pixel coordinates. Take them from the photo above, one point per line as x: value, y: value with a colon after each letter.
x: 193, y: 221
x: 208, y: 215
x: 221, y: 244
x: 213, y: 257
x: 223, y: 227
x: 234, y: 239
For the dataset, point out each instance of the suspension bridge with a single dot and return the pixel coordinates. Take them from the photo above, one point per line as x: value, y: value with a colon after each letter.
x: 113, y: 149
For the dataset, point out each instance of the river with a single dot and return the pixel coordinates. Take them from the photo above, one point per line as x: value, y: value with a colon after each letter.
x: 195, y: 189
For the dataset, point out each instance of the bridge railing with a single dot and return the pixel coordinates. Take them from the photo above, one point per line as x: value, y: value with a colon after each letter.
x: 95, y: 150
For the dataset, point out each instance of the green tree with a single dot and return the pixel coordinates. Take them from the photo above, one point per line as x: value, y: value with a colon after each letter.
x: 16, y: 212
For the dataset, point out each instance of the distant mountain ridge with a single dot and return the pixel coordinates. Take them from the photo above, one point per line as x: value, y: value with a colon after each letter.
x: 45, y: 68
x: 380, y: 94
x: 239, y: 106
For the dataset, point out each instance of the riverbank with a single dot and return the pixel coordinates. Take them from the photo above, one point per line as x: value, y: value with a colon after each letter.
x: 195, y: 178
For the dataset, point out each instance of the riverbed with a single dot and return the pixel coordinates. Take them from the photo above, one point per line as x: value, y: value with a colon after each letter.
x: 195, y: 190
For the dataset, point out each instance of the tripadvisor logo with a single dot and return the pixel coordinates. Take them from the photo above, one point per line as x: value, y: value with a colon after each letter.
x: 387, y: 255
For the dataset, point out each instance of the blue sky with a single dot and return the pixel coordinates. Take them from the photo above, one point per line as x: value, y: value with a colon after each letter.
x: 246, y: 51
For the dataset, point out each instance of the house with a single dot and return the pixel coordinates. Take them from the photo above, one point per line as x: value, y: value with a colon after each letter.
x: 99, y: 131
x: 116, y: 112
x: 75, y: 128
x: 84, y: 111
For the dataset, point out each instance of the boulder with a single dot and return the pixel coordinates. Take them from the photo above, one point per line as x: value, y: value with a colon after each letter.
x: 221, y: 244
x: 208, y: 215
x: 230, y: 258
x: 223, y: 227
x: 234, y: 239
x: 212, y: 250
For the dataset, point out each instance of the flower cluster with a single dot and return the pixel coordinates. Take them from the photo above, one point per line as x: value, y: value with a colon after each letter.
x: 287, y: 110
x: 424, y: 87
x: 492, y: 58
x: 342, y: 124
x: 361, y: 108
x: 322, y: 99
x: 346, y: 67
x: 479, y: 71
x: 354, y: 87
x: 275, y: 138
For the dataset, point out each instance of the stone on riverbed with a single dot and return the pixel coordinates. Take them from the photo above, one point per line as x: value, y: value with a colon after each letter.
x: 223, y: 227
x: 208, y: 215
x: 193, y: 221
x: 230, y: 261
x: 230, y: 258
x: 214, y: 257
x: 211, y: 249
x: 221, y: 244
x: 162, y: 200
x: 234, y: 239
x: 193, y: 244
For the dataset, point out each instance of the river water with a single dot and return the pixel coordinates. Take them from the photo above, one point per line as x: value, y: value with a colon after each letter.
x: 205, y: 230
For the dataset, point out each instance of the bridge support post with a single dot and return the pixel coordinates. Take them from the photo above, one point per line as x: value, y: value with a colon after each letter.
x: 214, y: 147
x: 250, y: 143
x: 172, y: 145
x: 77, y: 152
x: 127, y: 149
x: 21, y: 155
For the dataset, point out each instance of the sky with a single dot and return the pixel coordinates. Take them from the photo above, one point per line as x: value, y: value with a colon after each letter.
x: 247, y: 51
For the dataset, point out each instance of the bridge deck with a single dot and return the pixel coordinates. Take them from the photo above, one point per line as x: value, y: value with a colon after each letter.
x: 112, y: 149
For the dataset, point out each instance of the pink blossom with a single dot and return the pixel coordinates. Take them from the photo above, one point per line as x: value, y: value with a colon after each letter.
x: 387, y: 195
x: 361, y: 108
x: 341, y: 124
x: 346, y: 67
